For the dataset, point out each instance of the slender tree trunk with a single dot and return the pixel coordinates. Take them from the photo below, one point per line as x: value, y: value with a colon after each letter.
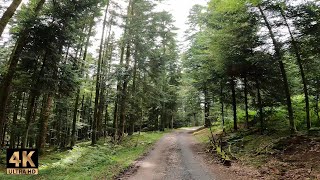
x: 133, y: 92
x: 115, y: 115
x: 30, y: 109
x: 44, y: 120
x: 74, y: 121
x: 278, y: 55
x: 163, y: 116
x: 117, y: 109
x: 207, y: 122
x: 123, y: 103
x: 156, y: 118
x: 317, y: 108
x: 173, y: 117
x: 75, y: 111
x: 7, y: 15
x: 101, y: 107
x: 317, y: 100
x: 14, y: 119
x: 260, y: 106
x: 5, y: 86
x: 222, y: 105
x: 98, y: 83
x: 90, y: 114
x: 246, y: 101
x: 106, y: 120
x: 302, y: 73
x: 234, y: 104
x: 21, y: 115
x: 104, y: 71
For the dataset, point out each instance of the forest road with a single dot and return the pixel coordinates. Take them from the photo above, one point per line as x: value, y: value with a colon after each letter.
x: 172, y: 158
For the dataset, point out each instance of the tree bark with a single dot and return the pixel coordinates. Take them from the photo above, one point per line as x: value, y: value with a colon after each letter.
x: 260, y: 106
x: 43, y: 122
x: 30, y: 109
x: 98, y: 83
x: 302, y: 73
x: 14, y: 120
x: 104, y: 77
x: 278, y: 55
x: 222, y: 105
x: 234, y: 104
x: 207, y: 122
x: 246, y: 101
x: 74, y: 119
x: 123, y: 103
x: 7, y: 15
x: 317, y: 108
x: 133, y: 91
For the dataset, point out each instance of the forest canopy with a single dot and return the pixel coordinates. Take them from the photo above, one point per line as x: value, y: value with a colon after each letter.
x: 248, y: 63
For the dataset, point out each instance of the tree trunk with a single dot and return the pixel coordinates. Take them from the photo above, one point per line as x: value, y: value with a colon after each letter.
x: 5, y: 86
x: 234, y: 104
x: 104, y: 72
x: 222, y: 106
x: 30, y: 109
x: 44, y: 120
x: 278, y: 55
x: 7, y: 15
x: 246, y: 101
x: 106, y: 120
x: 173, y: 117
x: 163, y: 116
x: 299, y: 61
x: 317, y: 100
x: 133, y: 92
x: 123, y: 103
x: 98, y: 83
x: 207, y: 122
x: 75, y: 111
x: 260, y: 106
x: 74, y: 119
x: 317, y: 108
x: 14, y: 120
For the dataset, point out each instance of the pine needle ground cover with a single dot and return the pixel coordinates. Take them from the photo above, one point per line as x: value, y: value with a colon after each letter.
x: 271, y: 155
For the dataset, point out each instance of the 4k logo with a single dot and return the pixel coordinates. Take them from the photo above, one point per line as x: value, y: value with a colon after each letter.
x: 22, y: 161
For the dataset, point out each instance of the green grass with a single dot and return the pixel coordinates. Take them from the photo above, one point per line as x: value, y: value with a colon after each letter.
x: 203, y: 135
x: 102, y: 161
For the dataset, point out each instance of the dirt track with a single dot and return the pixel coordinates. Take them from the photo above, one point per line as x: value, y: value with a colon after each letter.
x: 174, y: 158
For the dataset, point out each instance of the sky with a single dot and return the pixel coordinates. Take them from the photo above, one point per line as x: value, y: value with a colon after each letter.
x: 178, y: 8
x: 180, y: 11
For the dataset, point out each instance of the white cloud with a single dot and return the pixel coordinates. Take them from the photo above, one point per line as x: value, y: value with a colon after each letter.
x: 180, y: 10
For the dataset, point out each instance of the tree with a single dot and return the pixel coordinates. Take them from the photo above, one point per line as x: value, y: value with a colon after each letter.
x: 14, y: 59
x: 7, y: 15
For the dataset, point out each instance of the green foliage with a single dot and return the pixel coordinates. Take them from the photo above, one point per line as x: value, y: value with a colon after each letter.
x: 101, y: 161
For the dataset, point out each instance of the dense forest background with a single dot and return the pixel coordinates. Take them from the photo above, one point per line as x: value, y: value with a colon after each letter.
x: 255, y: 63
x: 249, y: 63
x: 56, y: 90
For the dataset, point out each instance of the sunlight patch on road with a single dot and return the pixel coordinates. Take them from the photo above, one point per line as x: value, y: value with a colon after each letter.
x: 190, y: 128
x: 147, y: 165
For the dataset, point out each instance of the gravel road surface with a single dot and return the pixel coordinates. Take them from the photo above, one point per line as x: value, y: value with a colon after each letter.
x: 173, y: 158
